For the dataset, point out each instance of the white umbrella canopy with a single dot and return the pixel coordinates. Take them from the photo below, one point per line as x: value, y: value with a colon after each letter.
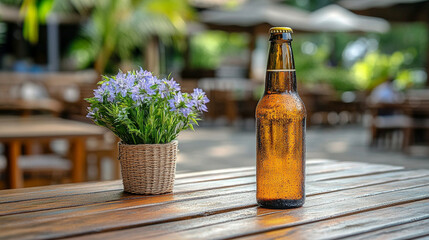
x: 365, y: 4
x: 332, y: 18
x: 258, y: 12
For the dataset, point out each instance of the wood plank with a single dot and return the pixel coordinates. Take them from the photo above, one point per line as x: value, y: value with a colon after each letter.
x: 70, y: 189
x: 15, y: 128
x: 364, y: 169
x: 111, y: 196
x: 116, y: 200
x: 289, y: 218
x: 194, y: 223
x: 14, y: 172
x: 329, y: 229
x: 319, y: 161
x: 412, y: 230
x: 140, y: 216
x: 78, y: 159
x: 102, y: 194
x: 355, y: 224
x: 42, y: 189
x: 248, y: 173
x: 422, y: 238
x: 358, y: 181
x: 9, y: 192
x: 213, y: 172
x: 311, y: 170
x: 91, y: 188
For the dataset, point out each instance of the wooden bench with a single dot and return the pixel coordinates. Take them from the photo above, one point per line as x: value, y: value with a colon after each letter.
x: 344, y: 199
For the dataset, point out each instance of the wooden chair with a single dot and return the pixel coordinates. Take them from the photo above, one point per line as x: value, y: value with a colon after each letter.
x: 388, y: 124
x: 42, y: 169
x: 222, y: 104
x: 418, y: 131
x: 100, y: 148
x: 104, y: 148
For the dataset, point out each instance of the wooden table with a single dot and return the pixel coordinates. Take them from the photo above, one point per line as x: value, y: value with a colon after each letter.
x: 344, y: 199
x: 27, y: 107
x: 17, y: 131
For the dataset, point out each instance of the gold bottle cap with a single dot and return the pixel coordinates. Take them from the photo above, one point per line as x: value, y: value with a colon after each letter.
x: 281, y: 30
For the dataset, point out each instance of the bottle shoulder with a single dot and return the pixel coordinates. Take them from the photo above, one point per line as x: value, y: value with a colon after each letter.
x: 285, y: 105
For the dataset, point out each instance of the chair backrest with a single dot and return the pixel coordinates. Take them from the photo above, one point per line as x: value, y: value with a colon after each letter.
x: 10, y: 85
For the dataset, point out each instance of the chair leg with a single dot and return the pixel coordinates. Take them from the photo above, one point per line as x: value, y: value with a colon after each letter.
x: 116, y: 169
x: 99, y: 160
x: 406, y: 139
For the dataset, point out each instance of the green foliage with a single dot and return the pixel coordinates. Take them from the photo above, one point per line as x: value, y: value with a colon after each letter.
x: 401, y: 53
x: 34, y: 12
x: 142, y: 109
x: 142, y: 124
x: 208, y: 48
x: 312, y: 67
x: 376, y: 68
x: 118, y: 28
x: 411, y: 39
x: 115, y: 27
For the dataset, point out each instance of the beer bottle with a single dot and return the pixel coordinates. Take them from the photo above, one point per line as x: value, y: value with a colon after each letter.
x: 280, y: 123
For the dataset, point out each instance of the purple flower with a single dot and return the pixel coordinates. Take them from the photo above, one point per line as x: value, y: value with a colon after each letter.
x: 99, y: 94
x: 91, y: 113
x: 199, y: 100
x: 163, y: 89
x: 185, y: 111
x: 105, y: 89
x: 143, y: 73
x: 148, y: 85
x: 122, y: 83
x: 144, y: 89
x: 176, y: 101
x: 182, y: 104
x: 172, y: 85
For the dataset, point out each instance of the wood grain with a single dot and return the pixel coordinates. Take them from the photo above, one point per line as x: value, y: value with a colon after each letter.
x: 266, y: 222
x: 312, y: 202
x: 14, y: 128
x: 78, y: 159
x: 411, y: 230
x: 344, y: 200
x: 143, y: 213
x: 355, y: 224
x: 15, y: 178
x: 114, y: 193
x: 70, y: 189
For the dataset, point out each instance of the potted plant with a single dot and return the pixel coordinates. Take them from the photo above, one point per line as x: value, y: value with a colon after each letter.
x: 147, y: 114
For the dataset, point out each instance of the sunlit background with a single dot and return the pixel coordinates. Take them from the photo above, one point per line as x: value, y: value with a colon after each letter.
x: 361, y: 66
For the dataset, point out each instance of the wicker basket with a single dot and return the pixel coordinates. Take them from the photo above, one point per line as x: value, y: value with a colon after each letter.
x: 148, y: 168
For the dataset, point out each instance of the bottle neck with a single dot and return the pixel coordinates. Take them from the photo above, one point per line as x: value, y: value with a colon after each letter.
x: 280, y: 76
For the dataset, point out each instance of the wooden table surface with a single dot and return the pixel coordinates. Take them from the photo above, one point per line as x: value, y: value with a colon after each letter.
x: 16, y: 131
x: 26, y: 107
x: 25, y: 128
x: 344, y: 200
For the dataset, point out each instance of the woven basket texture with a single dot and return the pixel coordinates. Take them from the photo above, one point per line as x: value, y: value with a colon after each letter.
x: 148, y: 168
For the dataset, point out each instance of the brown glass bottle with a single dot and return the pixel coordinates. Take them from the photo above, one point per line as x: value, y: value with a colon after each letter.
x: 280, y: 130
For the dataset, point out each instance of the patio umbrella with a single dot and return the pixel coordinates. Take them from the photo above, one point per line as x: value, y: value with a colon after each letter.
x: 332, y: 18
x: 393, y: 11
x: 254, y: 13
x: 365, y: 4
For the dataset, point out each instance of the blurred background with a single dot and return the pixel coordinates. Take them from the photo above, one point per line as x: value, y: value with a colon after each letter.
x: 361, y: 66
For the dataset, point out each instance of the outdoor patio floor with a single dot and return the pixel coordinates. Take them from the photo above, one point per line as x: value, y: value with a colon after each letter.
x: 212, y: 147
